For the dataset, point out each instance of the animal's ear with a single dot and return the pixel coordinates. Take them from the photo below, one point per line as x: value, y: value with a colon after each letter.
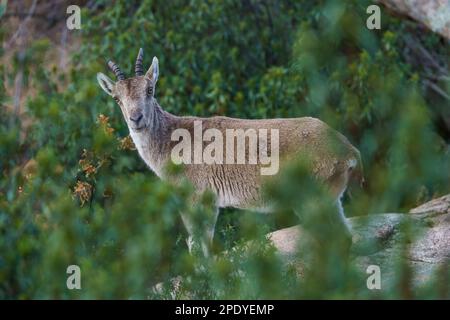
x: 153, y: 71
x: 106, y: 83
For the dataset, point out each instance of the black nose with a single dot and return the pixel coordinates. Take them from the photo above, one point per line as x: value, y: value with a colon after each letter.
x: 136, y: 118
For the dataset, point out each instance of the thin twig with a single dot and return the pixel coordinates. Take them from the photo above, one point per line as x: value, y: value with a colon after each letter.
x: 418, y: 48
x: 23, y: 15
x: 17, y: 91
x: 62, y: 49
x: 22, y: 26
x: 436, y: 89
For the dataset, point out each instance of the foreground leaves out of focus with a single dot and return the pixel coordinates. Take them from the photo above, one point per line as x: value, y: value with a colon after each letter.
x: 74, y: 191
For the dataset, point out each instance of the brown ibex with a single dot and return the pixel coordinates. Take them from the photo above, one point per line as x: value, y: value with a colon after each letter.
x: 156, y: 133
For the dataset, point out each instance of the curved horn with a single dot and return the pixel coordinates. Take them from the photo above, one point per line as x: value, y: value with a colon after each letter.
x: 138, y: 66
x: 115, y: 68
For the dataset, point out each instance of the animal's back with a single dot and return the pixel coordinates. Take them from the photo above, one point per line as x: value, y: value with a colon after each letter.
x: 331, y: 155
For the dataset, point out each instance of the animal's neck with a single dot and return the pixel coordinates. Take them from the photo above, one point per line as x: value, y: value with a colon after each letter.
x: 153, y: 143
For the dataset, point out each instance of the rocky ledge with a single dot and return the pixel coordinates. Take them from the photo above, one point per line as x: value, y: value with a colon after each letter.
x: 379, y: 240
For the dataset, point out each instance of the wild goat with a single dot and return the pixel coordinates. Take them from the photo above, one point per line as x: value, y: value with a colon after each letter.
x: 238, y: 185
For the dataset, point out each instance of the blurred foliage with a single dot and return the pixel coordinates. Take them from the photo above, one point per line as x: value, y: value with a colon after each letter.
x: 74, y: 191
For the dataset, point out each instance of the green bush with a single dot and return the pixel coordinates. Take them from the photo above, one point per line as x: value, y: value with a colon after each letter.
x: 73, y: 190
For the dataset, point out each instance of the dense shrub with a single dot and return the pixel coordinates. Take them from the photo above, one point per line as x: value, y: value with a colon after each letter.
x: 73, y: 190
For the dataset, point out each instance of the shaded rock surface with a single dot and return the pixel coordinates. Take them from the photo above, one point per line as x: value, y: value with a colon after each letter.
x: 379, y: 239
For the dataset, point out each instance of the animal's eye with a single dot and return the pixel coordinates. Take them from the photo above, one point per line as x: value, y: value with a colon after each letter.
x: 150, y: 91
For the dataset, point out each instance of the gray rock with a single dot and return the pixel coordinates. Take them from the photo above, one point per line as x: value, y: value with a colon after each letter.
x: 379, y: 239
x: 432, y: 13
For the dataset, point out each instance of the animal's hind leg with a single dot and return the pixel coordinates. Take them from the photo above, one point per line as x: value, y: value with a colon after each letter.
x: 341, y: 228
x: 338, y: 220
x: 341, y: 217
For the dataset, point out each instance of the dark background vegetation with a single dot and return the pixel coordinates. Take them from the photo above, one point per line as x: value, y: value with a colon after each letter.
x: 73, y: 190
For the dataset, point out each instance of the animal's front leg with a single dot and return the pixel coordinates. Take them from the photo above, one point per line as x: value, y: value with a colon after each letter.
x: 200, y: 232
